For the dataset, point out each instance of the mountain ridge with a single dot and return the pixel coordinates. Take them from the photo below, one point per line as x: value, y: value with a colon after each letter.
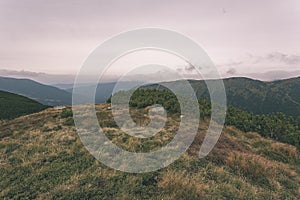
x: 42, y: 93
x: 255, y: 96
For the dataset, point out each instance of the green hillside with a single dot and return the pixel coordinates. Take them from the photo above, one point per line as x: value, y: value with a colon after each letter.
x: 277, y: 126
x: 264, y: 97
x: 42, y: 157
x: 252, y: 95
x: 13, y: 105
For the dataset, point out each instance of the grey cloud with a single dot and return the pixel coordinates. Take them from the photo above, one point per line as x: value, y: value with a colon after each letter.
x: 269, y: 59
x: 5, y: 72
x: 189, y: 67
x: 274, y: 75
x: 231, y: 64
x: 284, y: 58
x: 235, y: 63
x: 231, y: 71
x: 276, y: 57
x: 38, y: 76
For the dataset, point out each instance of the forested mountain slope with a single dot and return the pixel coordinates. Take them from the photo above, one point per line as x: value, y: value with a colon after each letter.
x: 252, y: 95
x: 13, y: 105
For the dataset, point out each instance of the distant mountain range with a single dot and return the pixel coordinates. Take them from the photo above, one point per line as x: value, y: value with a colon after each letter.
x: 54, y: 96
x: 251, y: 95
x: 104, y: 90
x: 45, y: 94
x: 13, y: 105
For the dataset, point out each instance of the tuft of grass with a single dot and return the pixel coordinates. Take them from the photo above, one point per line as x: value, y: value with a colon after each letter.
x: 178, y: 185
x: 66, y: 112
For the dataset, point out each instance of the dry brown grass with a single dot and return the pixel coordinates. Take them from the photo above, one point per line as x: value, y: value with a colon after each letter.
x: 179, y: 185
x: 261, y: 170
x: 241, y: 166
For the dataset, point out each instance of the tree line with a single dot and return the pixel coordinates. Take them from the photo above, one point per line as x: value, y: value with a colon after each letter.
x: 277, y: 126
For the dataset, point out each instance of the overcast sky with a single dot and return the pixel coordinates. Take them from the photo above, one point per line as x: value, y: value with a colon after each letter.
x: 241, y: 37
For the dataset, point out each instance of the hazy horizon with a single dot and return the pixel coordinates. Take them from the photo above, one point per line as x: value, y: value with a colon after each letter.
x: 60, y: 79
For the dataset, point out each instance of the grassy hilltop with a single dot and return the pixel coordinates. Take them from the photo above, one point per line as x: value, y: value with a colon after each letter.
x: 41, y: 156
